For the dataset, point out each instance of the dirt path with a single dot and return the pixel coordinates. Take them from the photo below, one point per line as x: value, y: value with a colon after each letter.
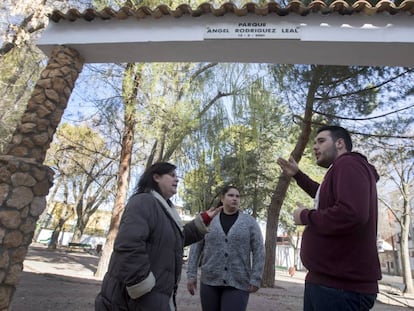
x: 63, y: 280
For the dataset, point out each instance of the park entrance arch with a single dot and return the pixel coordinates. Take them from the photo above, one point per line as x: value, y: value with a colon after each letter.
x: 335, y: 34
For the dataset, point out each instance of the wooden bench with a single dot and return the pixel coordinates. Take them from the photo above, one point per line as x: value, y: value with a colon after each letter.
x: 80, y: 245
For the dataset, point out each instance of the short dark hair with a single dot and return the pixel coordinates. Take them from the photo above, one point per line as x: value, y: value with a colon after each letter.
x: 226, y: 189
x: 147, y: 183
x: 338, y: 132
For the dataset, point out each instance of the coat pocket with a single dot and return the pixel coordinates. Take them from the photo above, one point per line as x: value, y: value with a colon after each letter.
x: 150, y: 302
x: 113, y: 295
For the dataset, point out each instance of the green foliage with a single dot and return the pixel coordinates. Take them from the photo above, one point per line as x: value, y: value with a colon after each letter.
x: 75, y: 148
x: 80, y: 157
x: 351, y: 96
x: 243, y: 136
x: 347, y: 96
x: 80, y: 154
x: 19, y: 71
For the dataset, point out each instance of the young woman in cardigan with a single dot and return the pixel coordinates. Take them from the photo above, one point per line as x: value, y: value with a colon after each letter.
x: 233, y: 258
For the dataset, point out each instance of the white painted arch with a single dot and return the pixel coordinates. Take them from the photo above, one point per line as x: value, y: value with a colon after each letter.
x: 334, y: 39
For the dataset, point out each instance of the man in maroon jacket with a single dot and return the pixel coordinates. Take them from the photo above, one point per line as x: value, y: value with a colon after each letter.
x: 339, y: 243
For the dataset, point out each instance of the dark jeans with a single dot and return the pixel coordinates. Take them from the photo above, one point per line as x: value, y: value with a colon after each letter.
x: 223, y: 298
x: 321, y: 298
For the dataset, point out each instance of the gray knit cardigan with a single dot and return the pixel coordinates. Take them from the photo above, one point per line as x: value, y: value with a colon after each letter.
x: 235, y: 259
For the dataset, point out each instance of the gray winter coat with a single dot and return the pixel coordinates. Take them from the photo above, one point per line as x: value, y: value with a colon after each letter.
x: 146, y: 262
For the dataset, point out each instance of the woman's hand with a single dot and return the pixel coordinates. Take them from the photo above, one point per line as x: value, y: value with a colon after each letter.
x: 192, y: 286
x: 213, y: 211
x: 253, y: 289
x: 208, y: 215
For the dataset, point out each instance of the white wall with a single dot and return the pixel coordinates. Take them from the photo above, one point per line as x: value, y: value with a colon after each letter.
x: 66, y: 237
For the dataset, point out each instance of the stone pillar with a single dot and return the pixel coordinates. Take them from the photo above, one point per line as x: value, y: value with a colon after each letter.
x: 24, y: 180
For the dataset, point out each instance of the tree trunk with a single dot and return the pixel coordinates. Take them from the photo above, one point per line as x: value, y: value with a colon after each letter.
x: 42, y: 222
x: 271, y: 230
x: 84, y: 214
x: 64, y: 216
x: 296, y: 251
x: 120, y: 199
x: 79, y: 229
x: 283, y: 182
x: 395, y: 257
x: 405, y: 256
x: 55, y: 235
x: 132, y: 72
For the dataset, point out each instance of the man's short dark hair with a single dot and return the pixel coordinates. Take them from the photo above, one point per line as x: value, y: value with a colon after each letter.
x: 338, y: 132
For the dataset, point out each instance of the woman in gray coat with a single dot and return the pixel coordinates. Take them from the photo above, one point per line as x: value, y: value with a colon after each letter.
x: 146, y: 262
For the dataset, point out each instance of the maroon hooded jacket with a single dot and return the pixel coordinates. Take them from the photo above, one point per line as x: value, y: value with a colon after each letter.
x: 339, y: 244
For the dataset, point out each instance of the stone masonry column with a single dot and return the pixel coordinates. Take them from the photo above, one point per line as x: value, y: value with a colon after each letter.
x: 24, y: 180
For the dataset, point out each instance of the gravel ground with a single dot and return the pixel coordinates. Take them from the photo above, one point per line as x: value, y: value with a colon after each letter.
x: 63, y: 280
